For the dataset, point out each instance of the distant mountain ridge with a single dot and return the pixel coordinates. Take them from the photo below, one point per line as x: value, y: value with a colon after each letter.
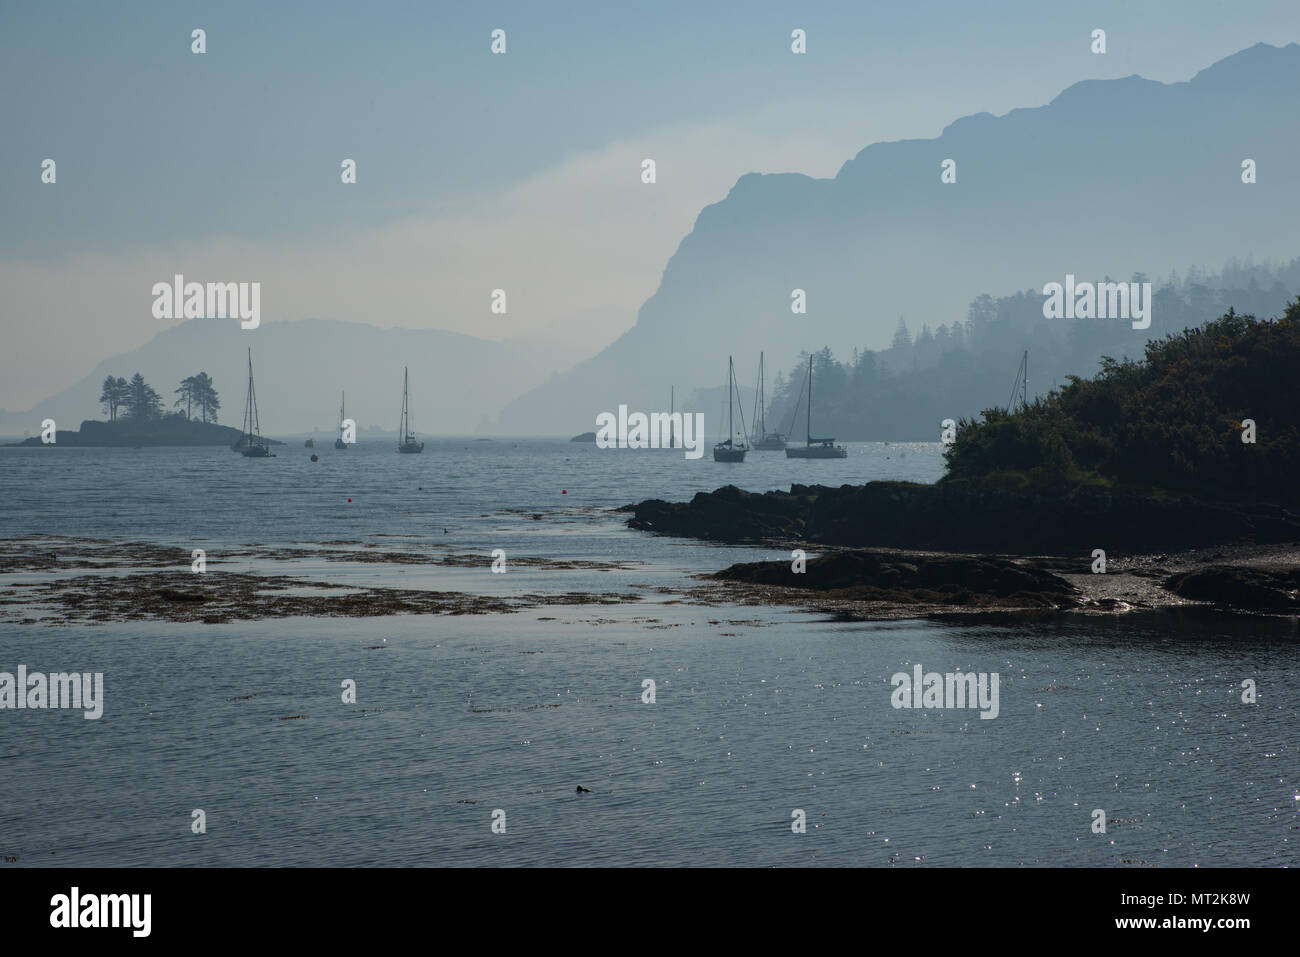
x: 1113, y: 177
x: 457, y: 381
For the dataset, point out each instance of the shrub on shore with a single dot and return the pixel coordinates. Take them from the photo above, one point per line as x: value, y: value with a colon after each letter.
x: 1171, y: 421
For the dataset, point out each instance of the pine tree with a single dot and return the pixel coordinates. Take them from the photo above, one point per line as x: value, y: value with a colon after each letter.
x: 902, y: 338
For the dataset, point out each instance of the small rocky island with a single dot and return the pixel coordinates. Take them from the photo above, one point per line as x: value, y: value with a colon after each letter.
x: 137, y: 418
x: 1165, y: 482
x: 128, y: 433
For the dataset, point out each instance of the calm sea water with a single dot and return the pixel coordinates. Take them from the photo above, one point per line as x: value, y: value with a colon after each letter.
x: 758, y: 711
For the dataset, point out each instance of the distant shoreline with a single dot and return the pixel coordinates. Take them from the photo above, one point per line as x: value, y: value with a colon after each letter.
x: 17, y: 440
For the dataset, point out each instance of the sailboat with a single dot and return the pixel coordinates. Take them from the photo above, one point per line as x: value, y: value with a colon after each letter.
x: 764, y: 440
x: 815, y: 448
x: 1020, y: 391
x: 339, y: 443
x: 728, y: 451
x: 672, y: 401
x: 251, y: 444
x: 406, y: 440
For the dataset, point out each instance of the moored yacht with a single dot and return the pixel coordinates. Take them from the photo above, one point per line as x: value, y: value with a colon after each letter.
x: 729, y: 450
x: 406, y: 439
x: 815, y: 448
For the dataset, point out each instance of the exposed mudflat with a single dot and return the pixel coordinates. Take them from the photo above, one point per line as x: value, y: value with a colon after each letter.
x: 71, y: 580
x: 67, y: 554
x: 57, y: 581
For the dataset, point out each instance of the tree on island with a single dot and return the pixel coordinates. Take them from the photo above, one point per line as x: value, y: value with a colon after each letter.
x: 197, y: 390
x: 205, y: 396
x: 142, y: 402
x: 186, y: 395
x: 113, y: 395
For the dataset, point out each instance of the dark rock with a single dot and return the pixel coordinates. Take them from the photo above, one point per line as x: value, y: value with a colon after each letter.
x: 728, y: 514
x: 967, y: 516
x: 909, y: 578
x: 1236, y: 586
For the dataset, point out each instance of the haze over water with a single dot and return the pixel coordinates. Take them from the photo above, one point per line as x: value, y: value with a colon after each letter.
x: 759, y: 711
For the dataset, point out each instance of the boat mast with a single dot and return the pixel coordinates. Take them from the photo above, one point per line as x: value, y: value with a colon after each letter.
x: 252, y: 391
x: 1020, y: 390
x: 810, y: 400
x: 406, y: 423
x: 250, y: 406
x: 762, y: 412
x: 731, y: 378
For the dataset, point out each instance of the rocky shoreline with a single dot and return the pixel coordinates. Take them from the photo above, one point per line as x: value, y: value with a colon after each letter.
x: 890, y: 550
x: 62, y: 581
x: 878, y: 585
x: 968, y: 517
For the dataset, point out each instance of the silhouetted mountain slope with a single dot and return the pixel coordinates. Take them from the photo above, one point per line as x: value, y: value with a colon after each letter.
x: 1112, y: 177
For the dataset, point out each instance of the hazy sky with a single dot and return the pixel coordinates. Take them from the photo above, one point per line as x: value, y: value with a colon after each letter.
x: 474, y: 171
